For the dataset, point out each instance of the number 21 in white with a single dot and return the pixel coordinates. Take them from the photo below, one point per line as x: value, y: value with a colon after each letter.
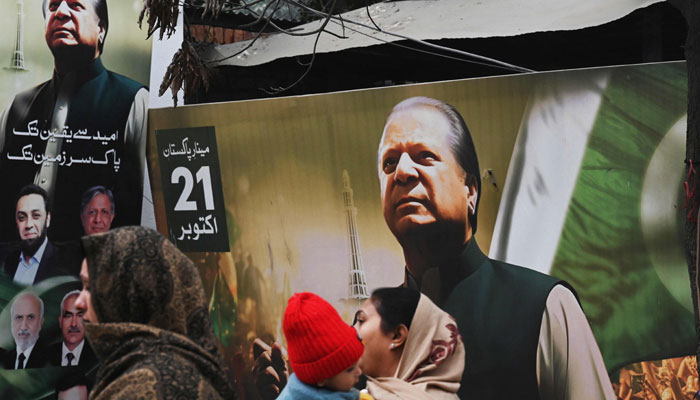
x: 203, y: 176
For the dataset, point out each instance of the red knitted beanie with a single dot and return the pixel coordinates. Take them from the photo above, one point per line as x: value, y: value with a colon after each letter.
x: 320, y: 344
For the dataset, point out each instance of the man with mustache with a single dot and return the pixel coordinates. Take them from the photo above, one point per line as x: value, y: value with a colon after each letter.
x: 84, y: 127
x: 73, y: 350
x: 518, y: 326
x: 37, y: 257
x: 27, y: 313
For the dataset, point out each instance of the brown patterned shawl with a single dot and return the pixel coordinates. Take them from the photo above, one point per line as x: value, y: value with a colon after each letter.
x: 154, y: 337
x: 432, y: 362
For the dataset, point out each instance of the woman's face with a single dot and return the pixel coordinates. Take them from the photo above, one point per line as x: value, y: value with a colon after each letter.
x: 377, y: 360
x: 84, y: 300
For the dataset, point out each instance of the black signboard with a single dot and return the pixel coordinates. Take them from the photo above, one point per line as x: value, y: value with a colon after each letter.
x: 194, y: 200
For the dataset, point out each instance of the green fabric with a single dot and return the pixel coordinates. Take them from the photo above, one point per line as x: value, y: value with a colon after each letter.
x: 223, y: 311
x: 601, y: 250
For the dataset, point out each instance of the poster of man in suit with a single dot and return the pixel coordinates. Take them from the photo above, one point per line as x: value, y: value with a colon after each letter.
x: 73, y: 117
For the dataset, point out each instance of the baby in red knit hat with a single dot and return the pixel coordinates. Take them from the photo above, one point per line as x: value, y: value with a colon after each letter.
x: 323, y: 351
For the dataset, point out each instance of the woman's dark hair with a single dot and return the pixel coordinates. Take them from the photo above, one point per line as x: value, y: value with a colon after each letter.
x: 395, y: 306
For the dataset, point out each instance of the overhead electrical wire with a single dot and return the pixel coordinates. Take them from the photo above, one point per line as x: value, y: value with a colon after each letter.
x: 471, y: 57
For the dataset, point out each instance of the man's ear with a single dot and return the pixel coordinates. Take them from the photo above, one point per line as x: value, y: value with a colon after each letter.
x: 323, y: 383
x: 102, y: 33
x: 399, y: 337
x: 48, y: 219
x: 473, y: 197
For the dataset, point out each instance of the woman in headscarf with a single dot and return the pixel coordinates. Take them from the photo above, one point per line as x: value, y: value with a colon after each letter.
x: 413, y: 350
x: 148, y: 319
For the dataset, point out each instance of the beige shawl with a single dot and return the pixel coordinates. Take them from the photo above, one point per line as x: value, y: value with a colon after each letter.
x: 432, y: 362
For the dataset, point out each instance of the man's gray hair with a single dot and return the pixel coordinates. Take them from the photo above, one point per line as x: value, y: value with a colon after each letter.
x: 460, y: 141
x: 27, y: 294
x: 91, y: 193
x: 69, y: 294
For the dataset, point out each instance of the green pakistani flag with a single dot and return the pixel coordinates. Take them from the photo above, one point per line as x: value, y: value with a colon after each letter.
x: 610, y: 215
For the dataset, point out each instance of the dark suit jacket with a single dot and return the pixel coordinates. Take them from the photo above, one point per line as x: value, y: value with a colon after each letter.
x: 58, y: 259
x: 88, y: 358
x: 85, y: 372
x: 37, y: 359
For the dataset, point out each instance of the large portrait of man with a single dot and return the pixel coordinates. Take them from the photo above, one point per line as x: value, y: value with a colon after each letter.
x: 430, y: 185
x: 82, y: 128
x: 73, y: 105
x: 343, y: 193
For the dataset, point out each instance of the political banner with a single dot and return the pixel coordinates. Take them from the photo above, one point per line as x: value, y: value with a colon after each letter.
x: 580, y: 173
x: 73, y: 130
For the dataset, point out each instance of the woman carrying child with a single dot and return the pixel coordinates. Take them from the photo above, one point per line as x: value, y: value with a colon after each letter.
x: 413, y: 350
x: 323, y: 351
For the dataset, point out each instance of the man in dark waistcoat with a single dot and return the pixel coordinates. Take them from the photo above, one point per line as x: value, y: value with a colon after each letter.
x: 524, y: 332
x: 83, y: 128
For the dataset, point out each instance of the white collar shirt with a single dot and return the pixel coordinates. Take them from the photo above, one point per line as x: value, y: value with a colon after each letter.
x: 26, y: 272
x: 76, y: 353
x: 27, y: 353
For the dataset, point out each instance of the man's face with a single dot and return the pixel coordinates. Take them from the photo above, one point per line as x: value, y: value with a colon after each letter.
x: 98, y: 215
x: 72, y: 23
x: 26, y: 321
x: 422, y: 184
x: 71, y: 323
x: 31, y: 217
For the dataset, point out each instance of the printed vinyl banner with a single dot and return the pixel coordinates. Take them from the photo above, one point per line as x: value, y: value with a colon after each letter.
x: 581, y: 178
x: 73, y: 120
